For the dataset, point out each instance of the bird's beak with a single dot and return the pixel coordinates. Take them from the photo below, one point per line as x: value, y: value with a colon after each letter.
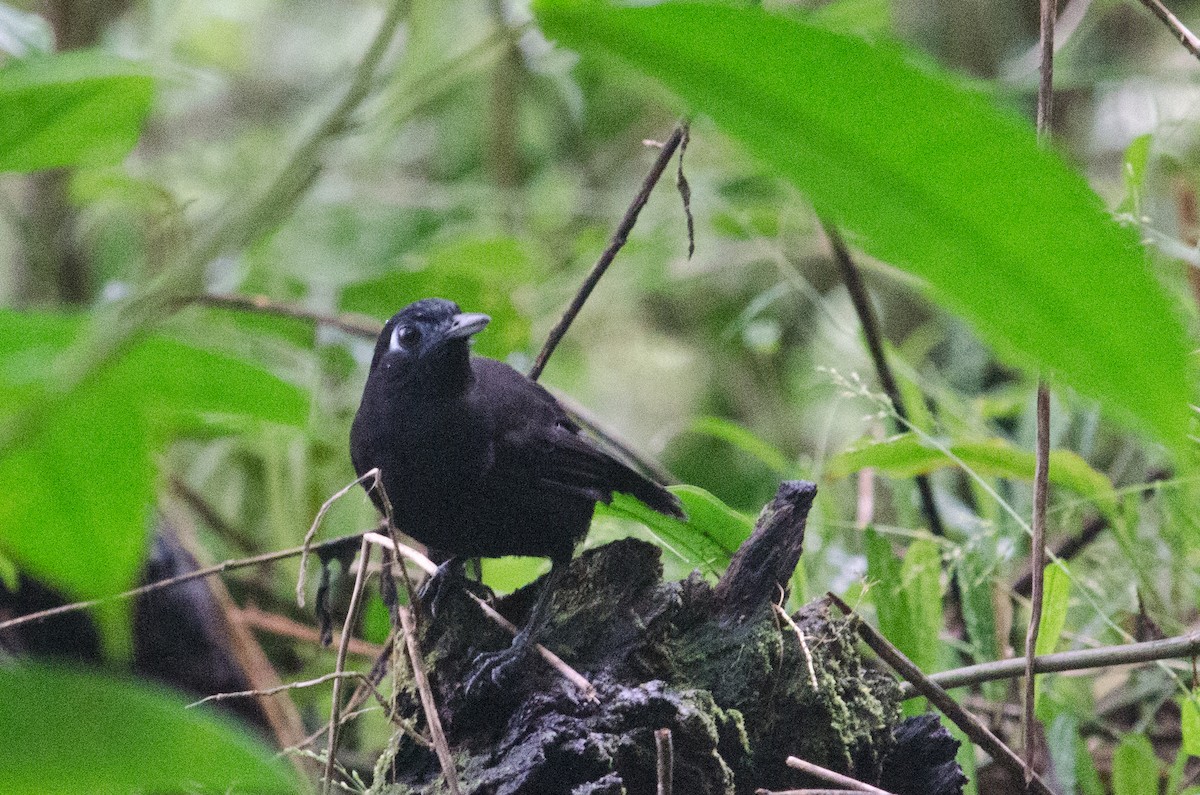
x: 466, y: 324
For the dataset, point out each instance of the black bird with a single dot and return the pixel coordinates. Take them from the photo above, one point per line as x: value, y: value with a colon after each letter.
x: 476, y: 459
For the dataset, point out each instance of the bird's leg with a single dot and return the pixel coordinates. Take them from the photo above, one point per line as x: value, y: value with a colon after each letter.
x: 493, y: 669
x: 450, y: 575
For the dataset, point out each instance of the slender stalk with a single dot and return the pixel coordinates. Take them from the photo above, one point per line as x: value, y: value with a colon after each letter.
x: 610, y: 252
x: 883, y: 370
x: 1185, y: 36
x: 360, y: 579
x: 1037, y: 551
x: 979, y: 734
x: 1079, y: 660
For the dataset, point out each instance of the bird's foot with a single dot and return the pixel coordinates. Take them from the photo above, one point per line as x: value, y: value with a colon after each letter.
x: 450, y: 579
x: 495, y: 672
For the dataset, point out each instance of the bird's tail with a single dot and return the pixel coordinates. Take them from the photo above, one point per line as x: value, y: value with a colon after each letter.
x: 651, y: 493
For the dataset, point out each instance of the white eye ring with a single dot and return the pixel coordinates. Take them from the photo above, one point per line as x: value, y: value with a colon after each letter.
x: 412, y: 333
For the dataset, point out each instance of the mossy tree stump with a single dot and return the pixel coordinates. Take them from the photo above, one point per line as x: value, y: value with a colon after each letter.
x: 716, y: 666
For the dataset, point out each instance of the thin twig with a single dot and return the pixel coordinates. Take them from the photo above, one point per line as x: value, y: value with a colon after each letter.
x: 555, y: 662
x: 1185, y: 36
x: 1068, y: 549
x: 685, y: 191
x: 261, y: 304
x: 1078, y: 660
x: 883, y: 370
x: 825, y: 774
x: 373, y: 476
x: 275, y: 624
x: 270, y: 691
x: 614, y: 245
x: 800, y: 792
x: 360, y: 579
x: 426, y: 692
x: 1037, y: 549
x: 1038, y: 561
x: 979, y: 734
x: 664, y: 747
x: 228, y: 565
x: 812, y: 672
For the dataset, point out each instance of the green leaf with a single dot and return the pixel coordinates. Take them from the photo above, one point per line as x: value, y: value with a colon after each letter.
x: 925, y: 175
x: 78, y: 491
x: 68, y: 732
x: 1056, y: 591
x: 921, y: 589
x: 1134, y: 767
x: 883, y: 569
x: 70, y: 109
x: 707, y: 539
x: 907, y: 454
x: 1190, y: 720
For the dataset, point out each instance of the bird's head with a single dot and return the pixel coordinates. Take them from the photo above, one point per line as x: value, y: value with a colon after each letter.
x: 431, y: 333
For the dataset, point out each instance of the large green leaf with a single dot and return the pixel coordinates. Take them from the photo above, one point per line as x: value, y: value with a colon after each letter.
x: 927, y: 175
x: 70, y: 109
x: 77, y: 492
x: 907, y: 455
x: 707, y: 539
x: 71, y: 732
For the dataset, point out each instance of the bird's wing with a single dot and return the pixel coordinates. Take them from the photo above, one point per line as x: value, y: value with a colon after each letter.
x: 535, y: 441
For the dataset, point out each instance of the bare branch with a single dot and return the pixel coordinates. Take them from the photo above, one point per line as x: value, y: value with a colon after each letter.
x: 979, y: 734
x: 614, y: 245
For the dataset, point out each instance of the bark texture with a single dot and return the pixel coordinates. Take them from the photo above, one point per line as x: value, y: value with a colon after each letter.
x: 715, y: 665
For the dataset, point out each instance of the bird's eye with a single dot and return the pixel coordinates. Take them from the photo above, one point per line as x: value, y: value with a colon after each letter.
x: 405, y: 337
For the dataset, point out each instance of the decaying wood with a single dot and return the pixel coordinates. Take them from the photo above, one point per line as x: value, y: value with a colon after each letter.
x: 714, y: 665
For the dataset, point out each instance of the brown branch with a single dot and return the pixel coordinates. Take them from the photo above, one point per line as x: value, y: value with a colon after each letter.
x: 1037, y: 548
x: 228, y: 565
x: 883, y: 370
x: 262, y: 305
x: 816, y: 771
x: 360, y: 579
x: 665, y: 749
x: 1065, y: 551
x: 427, y: 703
x: 979, y: 734
x: 1185, y: 36
x: 1078, y: 660
x: 614, y: 245
x: 275, y: 624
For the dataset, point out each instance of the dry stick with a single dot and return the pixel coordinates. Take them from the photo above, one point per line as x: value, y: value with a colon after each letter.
x: 270, y: 691
x: 870, y: 327
x: 1185, y: 36
x: 427, y: 703
x: 817, y: 771
x: 360, y: 579
x: 1078, y: 660
x: 228, y: 565
x: 800, y: 792
x: 555, y: 662
x: 614, y: 245
x: 1037, y: 550
x: 665, y: 748
x: 978, y: 733
x: 812, y: 672
x: 260, y: 304
x: 1038, y: 563
x: 1068, y: 549
x: 275, y: 624
x: 373, y: 476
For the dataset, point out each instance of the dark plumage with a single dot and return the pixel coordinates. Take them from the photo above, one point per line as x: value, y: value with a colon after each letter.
x: 476, y: 459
